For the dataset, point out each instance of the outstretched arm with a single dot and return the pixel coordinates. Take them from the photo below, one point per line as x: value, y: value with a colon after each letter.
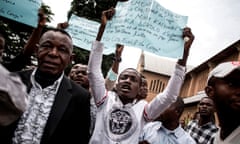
x: 113, y: 72
x: 21, y: 60
x: 188, y: 38
x: 106, y: 15
x: 171, y: 92
x: 96, y: 79
x: 117, y: 58
x: 30, y: 46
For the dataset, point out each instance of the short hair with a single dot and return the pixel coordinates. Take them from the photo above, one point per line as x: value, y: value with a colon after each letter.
x: 205, y: 97
x: 138, y: 74
x: 211, y: 81
x: 58, y: 30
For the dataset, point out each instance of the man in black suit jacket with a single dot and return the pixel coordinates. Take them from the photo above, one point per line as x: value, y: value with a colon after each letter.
x: 59, y: 109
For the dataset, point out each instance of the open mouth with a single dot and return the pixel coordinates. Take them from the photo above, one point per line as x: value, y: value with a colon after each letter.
x: 126, y: 88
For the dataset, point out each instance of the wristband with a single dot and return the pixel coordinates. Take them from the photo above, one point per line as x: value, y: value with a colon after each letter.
x: 111, y: 75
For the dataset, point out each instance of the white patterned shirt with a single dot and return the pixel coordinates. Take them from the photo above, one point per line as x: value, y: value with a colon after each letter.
x: 32, y: 123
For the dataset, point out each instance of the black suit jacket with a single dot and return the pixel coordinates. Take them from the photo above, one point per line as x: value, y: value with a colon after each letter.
x: 69, y: 119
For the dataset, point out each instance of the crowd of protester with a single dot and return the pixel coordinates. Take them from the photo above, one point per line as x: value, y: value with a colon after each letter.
x: 43, y: 105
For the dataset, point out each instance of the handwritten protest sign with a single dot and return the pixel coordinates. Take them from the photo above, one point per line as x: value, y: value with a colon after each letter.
x: 137, y: 23
x: 147, y: 25
x: 82, y: 31
x: 23, y: 11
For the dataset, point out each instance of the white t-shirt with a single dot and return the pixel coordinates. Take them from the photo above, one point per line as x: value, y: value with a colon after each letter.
x: 118, y: 123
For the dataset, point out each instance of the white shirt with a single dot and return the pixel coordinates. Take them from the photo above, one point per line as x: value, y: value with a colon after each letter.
x: 233, y: 138
x: 117, y: 123
x: 156, y: 133
x: 33, y: 121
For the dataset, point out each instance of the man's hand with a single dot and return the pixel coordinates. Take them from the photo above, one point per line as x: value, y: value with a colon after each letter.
x: 118, y: 51
x: 42, y: 18
x: 107, y: 15
x: 187, y: 34
x: 63, y: 25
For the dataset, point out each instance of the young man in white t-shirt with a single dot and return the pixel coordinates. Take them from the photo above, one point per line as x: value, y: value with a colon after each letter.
x: 120, y: 115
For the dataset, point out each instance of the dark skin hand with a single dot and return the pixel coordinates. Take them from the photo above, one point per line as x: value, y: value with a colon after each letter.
x: 118, y: 54
x: 186, y: 33
x: 63, y: 25
x: 30, y: 46
x: 106, y: 15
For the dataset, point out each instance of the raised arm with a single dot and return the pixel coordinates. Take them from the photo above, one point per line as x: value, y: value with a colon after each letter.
x: 96, y: 79
x: 21, y: 60
x: 113, y: 72
x: 30, y: 46
x: 188, y: 38
x: 172, y: 90
x: 106, y: 15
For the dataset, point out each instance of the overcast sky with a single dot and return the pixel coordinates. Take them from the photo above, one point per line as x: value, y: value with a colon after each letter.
x: 215, y: 24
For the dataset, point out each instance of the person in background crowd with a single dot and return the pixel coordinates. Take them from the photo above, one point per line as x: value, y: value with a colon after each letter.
x: 121, y: 116
x: 144, y: 88
x: 59, y: 109
x: 166, y: 128
x: 203, y: 130
x: 223, y: 87
x: 78, y: 72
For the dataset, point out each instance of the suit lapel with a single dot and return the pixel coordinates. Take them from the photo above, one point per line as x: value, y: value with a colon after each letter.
x: 62, y: 99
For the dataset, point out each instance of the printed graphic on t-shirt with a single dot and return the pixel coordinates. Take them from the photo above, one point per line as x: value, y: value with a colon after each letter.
x: 121, y: 123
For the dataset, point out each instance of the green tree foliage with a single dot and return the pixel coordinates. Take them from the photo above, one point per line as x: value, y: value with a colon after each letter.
x: 17, y: 34
x: 92, y: 10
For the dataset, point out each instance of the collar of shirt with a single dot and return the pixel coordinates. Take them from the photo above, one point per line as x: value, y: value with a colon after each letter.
x: 176, y: 132
x: 55, y: 85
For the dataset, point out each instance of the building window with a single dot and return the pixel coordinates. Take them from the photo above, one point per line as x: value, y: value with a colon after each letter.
x: 156, y: 86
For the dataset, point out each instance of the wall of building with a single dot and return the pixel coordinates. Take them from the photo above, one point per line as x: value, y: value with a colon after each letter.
x: 195, y: 80
x: 156, y: 83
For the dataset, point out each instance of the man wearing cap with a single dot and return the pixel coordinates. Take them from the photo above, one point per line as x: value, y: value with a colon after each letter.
x: 223, y: 87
